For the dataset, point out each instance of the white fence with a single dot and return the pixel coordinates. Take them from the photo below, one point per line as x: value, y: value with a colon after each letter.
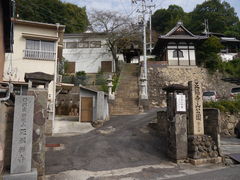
x: 41, y: 55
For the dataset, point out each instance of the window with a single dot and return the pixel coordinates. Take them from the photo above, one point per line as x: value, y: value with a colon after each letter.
x: 71, y: 45
x: 95, y: 44
x: 83, y: 44
x: 177, y: 53
x: 39, y: 49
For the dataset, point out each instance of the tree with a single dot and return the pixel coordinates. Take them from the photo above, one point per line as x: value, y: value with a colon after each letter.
x: 221, y: 16
x: 163, y: 20
x: 120, y: 30
x: 53, y: 11
x: 207, y: 53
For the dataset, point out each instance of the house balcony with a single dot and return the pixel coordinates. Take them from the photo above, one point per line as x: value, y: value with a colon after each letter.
x: 40, y: 55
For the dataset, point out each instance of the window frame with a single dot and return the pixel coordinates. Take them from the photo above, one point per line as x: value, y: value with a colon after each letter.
x: 177, y: 53
x: 40, y: 53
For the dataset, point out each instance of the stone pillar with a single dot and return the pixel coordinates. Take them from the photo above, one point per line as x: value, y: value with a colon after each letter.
x: 6, y: 128
x: 177, y: 122
x: 21, y: 155
x: 39, y: 125
x: 201, y: 147
x: 196, y: 126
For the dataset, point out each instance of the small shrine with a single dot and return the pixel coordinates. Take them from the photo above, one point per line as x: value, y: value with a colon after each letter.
x: 177, y: 47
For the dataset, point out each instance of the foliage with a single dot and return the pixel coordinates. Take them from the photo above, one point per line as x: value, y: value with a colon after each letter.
x: 62, y: 66
x: 231, y: 68
x: 53, y: 11
x: 232, y: 106
x: 164, y: 20
x: 221, y: 17
x: 101, y: 79
x: 80, y: 78
x: 207, y: 53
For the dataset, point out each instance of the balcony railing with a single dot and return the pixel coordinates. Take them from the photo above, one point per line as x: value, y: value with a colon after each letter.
x: 37, y: 54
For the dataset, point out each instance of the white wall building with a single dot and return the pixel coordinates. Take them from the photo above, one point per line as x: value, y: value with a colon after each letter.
x: 35, y: 49
x: 88, y: 52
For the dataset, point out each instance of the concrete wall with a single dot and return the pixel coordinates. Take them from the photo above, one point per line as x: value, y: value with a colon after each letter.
x: 87, y: 59
x: 20, y: 65
x: 2, y: 49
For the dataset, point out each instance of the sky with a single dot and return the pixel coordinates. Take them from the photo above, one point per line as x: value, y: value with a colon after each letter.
x: 126, y: 7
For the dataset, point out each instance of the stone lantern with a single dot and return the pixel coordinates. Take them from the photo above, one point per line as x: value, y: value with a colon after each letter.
x: 110, y: 85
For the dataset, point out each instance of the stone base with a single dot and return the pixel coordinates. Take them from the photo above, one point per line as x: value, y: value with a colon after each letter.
x: 197, y: 162
x: 144, y: 103
x: 22, y: 176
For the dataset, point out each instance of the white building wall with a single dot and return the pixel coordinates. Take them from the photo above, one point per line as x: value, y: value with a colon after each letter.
x: 184, y: 61
x: 87, y: 59
x: 16, y: 66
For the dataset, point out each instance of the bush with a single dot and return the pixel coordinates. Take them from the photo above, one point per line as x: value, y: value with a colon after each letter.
x: 231, y: 106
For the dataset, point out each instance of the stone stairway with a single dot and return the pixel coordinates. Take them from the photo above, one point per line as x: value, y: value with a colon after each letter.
x: 127, y: 94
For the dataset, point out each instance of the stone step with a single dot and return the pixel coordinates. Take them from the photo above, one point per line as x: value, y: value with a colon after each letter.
x: 127, y: 94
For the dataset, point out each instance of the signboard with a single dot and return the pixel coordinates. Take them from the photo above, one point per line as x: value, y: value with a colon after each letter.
x: 181, y: 103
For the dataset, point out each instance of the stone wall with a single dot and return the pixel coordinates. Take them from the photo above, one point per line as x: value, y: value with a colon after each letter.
x: 39, y: 125
x: 228, y: 123
x: 160, y: 76
x: 202, y: 146
x: 67, y: 105
x: 6, y: 127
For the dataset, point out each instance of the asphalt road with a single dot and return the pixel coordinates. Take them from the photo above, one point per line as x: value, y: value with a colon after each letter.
x: 125, y: 148
x: 124, y: 141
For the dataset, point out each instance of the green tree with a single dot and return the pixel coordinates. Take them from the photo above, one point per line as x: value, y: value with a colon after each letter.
x: 207, y: 53
x: 53, y: 11
x: 221, y: 16
x: 163, y: 20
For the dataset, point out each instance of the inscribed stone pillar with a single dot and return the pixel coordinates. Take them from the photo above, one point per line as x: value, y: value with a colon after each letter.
x: 22, y: 135
x: 39, y: 122
x: 196, y: 125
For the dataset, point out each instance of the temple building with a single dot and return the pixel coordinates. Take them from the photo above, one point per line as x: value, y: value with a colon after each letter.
x: 177, y: 47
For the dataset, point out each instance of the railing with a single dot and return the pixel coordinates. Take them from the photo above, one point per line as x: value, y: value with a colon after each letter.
x: 41, y: 55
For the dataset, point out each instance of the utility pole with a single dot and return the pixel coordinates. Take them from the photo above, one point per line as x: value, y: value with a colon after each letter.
x: 150, y: 26
x: 144, y: 78
x: 143, y: 11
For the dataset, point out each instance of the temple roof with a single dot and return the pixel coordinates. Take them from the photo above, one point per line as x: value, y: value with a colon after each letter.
x: 179, y: 32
